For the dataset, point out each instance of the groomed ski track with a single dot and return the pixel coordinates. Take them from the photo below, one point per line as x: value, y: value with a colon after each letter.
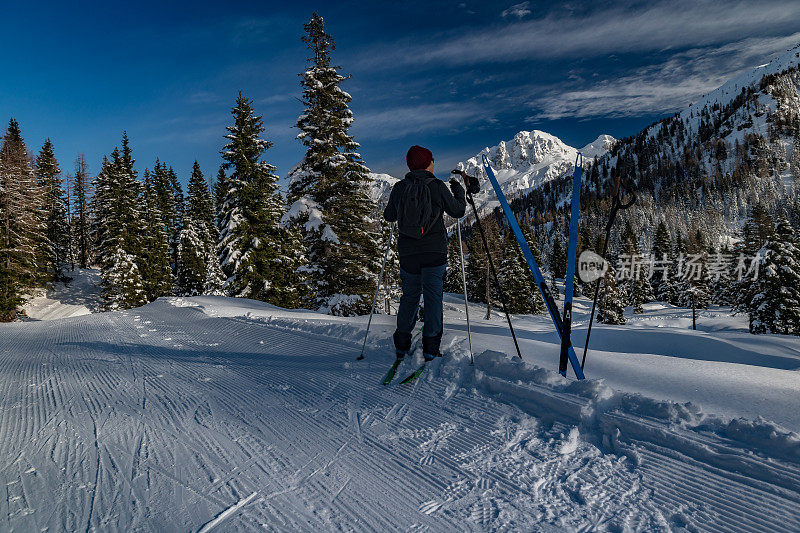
x: 170, y: 418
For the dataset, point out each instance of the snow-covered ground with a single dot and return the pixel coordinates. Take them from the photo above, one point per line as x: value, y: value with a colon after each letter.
x: 213, y: 413
x: 80, y: 296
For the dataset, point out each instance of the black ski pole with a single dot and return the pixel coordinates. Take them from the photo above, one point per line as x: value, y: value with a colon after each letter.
x: 494, y: 272
x: 616, y: 205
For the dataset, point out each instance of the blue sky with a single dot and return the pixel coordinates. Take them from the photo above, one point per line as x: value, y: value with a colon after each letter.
x: 453, y: 76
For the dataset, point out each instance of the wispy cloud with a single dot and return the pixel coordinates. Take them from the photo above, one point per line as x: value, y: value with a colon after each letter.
x: 397, y: 122
x: 518, y: 11
x: 662, y: 88
x: 622, y: 29
x: 203, y: 97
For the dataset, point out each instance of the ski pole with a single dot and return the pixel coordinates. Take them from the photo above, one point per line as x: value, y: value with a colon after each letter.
x: 464, y: 283
x: 494, y: 272
x: 616, y: 206
x: 569, y: 281
x: 377, y: 290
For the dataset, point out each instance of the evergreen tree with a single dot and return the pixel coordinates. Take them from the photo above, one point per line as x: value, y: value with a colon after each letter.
x: 553, y: 287
x: 121, y: 230
x: 452, y: 281
x: 166, y: 196
x: 476, y: 270
x: 610, y: 308
x: 636, y: 288
x: 154, y: 258
x: 122, y: 283
x: 754, y: 236
x: 700, y: 286
x: 329, y: 189
x: 55, y: 247
x: 101, y: 209
x: 679, y: 285
x: 22, y: 228
x: 522, y: 295
x: 130, y: 201
x: 176, y: 222
x: 661, y: 251
x: 259, y: 257
x: 82, y: 214
x: 198, y: 265
x: 391, y: 277
x: 775, y: 303
x: 558, y: 256
x: 219, y: 195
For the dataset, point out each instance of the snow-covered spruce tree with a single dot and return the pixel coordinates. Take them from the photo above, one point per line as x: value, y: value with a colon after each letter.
x: 522, y: 296
x: 696, y: 291
x: 80, y: 187
x: 22, y: 228
x: 176, y: 222
x: 391, y: 279
x: 452, y: 280
x: 558, y: 255
x: 198, y: 265
x: 219, y: 194
x: 533, y: 243
x: 661, y: 251
x: 480, y: 283
x: 122, y: 232
x: 55, y: 248
x: 328, y: 189
x: 775, y: 304
x: 154, y: 258
x: 610, y: 308
x: 636, y: 288
x: 476, y: 269
x: 754, y: 235
x: 123, y: 287
x: 679, y: 285
x: 259, y: 257
x: 101, y: 212
x: 165, y: 197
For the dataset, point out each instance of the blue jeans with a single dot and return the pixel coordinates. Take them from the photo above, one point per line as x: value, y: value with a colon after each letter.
x: 429, y: 283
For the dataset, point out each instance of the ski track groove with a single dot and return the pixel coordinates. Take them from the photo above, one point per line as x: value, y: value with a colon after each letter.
x: 118, y: 424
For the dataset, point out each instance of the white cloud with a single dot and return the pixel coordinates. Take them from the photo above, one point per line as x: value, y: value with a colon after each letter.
x: 519, y: 11
x: 654, y: 27
x: 662, y: 88
x: 397, y: 122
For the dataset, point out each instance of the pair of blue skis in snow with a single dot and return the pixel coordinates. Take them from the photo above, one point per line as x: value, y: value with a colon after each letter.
x: 563, y: 324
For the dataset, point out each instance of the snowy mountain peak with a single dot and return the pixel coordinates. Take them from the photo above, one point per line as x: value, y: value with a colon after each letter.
x: 529, y: 160
x: 598, y: 147
x: 527, y: 148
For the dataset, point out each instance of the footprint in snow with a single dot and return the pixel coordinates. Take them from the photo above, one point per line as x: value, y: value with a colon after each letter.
x: 430, y: 507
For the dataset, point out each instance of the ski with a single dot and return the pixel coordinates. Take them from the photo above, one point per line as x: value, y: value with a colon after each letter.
x: 414, y: 375
x: 392, y: 371
x: 415, y: 342
x: 552, y: 308
x: 572, y: 252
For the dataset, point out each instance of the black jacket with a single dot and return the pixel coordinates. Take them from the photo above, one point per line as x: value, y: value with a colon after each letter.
x: 435, y: 240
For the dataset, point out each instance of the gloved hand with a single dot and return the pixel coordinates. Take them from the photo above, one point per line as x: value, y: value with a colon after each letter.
x: 456, y: 188
x: 473, y: 185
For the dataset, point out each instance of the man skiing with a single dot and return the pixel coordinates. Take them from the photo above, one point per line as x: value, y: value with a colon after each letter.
x: 417, y: 203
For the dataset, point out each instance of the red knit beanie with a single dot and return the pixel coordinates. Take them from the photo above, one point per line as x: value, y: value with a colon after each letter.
x: 418, y: 158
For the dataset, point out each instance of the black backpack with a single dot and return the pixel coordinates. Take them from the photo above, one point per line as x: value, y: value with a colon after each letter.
x: 415, y: 213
